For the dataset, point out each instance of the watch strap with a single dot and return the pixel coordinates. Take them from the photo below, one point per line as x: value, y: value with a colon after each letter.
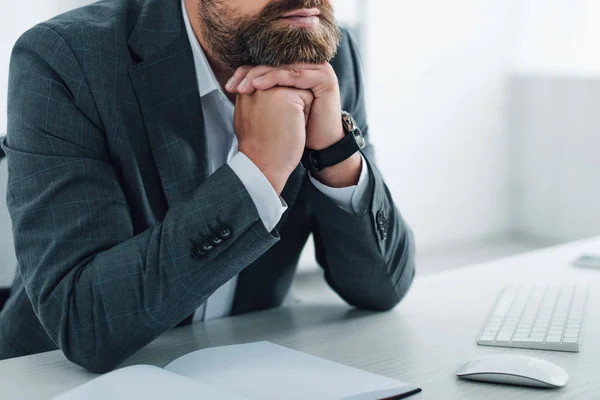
x: 316, y: 161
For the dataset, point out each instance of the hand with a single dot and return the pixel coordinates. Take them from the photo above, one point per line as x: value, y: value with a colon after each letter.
x: 271, y: 130
x: 324, y: 126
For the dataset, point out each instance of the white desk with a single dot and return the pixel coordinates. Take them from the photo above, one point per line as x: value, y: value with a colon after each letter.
x: 422, y: 341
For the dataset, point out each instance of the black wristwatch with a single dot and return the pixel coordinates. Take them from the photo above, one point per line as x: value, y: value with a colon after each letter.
x: 353, y: 141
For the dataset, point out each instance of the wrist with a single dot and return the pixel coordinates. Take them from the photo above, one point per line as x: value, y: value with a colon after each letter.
x: 276, y: 176
x: 320, y: 142
x: 338, y: 165
x: 344, y: 174
x: 277, y: 179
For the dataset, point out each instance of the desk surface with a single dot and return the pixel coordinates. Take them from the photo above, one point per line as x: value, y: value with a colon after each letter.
x: 423, y: 341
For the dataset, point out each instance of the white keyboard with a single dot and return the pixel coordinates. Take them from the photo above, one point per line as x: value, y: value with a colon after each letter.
x: 537, y: 317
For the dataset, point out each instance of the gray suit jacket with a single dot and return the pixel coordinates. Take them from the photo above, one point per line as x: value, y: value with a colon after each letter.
x: 110, y: 199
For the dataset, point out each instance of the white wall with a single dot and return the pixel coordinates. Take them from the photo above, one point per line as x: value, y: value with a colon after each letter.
x: 437, y: 86
x: 556, y: 158
x: 558, y: 37
x: 555, y: 94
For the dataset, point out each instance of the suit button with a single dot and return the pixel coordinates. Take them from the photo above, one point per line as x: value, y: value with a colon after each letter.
x: 215, y: 239
x: 197, y: 253
x: 381, y: 218
x: 225, y: 232
x: 382, y: 224
x: 206, y: 246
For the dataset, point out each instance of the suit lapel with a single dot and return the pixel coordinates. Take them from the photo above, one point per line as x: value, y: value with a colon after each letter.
x: 166, y: 87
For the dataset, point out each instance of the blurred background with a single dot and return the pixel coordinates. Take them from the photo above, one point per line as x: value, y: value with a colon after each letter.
x: 483, y: 112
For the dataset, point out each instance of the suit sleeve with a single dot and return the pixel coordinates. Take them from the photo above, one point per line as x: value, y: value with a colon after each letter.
x: 101, y: 290
x: 368, y: 257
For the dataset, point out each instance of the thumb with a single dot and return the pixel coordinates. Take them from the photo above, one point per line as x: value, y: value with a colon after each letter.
x: 307, y: 97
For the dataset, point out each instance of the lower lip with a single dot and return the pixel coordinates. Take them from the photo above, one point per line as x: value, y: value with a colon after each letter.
x: 305, y: 22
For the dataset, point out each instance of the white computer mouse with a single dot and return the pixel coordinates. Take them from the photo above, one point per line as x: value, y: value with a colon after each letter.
x: 514, y: 370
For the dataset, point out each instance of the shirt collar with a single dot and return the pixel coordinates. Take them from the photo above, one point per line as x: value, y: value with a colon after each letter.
x: 207, y: 81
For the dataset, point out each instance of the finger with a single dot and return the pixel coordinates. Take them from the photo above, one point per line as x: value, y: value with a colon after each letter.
x: 237, y: 77
x: 300, y: 79
x: 258, y: 71
x: 245, y: 86
x: 307, y: 113
x: 315, y: 67
x: 306, y: 98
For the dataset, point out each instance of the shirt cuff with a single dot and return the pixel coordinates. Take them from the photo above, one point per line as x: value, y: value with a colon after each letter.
x: 270, y: 206
x: 348, y: 198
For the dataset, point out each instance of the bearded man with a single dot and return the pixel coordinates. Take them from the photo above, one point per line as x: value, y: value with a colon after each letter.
x: 169, y: 160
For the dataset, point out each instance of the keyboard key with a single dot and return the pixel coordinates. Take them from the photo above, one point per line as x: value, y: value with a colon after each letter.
x: 519, y: 336
x: 506, y: 330
x: 504, y: 337
x: 553, y: 339
x: 531, y: 340
x: 504, y: 305
x: 556, y: 327
x: 570, y: 340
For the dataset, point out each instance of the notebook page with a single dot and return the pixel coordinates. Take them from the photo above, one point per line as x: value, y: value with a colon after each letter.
x: 265, y: 371
x: 148, y: 383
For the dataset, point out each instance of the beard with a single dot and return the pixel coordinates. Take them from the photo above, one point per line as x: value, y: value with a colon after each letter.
x: 262, y: 40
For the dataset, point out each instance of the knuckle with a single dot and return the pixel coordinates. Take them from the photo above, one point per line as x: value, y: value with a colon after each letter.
x: 256, y: 73
x: 328, y: 69
x: 309, y: 95
x: 295, y: 72
x: 240, y: 72
x: 251, y: 74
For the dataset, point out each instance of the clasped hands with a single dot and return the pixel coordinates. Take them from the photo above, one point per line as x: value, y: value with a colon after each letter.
x: 280, y: 111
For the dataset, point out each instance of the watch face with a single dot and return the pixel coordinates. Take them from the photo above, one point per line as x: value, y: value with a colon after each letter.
x: 351, y: 126
x: 360, y: 139
x: 349, y: 123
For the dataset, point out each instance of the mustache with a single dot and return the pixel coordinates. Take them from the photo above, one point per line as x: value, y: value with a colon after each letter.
x: 275, y: 9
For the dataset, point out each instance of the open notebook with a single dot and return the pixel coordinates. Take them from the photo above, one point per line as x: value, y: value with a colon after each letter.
x: 255, y: 371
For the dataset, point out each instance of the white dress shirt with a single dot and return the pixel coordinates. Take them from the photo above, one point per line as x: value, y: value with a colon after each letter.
x: 222, y: 146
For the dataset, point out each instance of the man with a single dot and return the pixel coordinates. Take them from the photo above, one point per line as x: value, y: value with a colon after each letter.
x: 142, y: 198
